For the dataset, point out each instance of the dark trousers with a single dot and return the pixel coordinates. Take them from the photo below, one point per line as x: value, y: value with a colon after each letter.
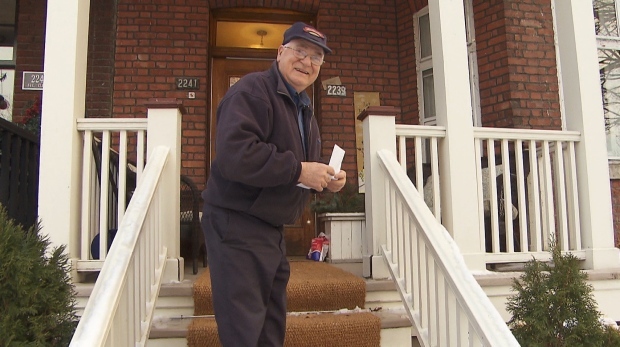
x: 249, y: 274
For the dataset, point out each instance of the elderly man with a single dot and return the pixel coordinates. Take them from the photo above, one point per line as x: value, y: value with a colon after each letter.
x: 267, y: 162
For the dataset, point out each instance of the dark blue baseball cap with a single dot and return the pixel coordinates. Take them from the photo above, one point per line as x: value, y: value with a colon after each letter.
x: 306, y: 32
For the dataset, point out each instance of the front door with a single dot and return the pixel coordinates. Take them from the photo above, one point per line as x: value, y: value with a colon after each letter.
x: 225, y: 73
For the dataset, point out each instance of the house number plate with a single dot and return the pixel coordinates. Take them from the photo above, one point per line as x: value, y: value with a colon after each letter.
x: 32, y: 80
x: 336, y: 90
x: 188, y: 83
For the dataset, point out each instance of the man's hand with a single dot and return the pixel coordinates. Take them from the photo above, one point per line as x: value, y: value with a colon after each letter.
x: 317, y: 176
x: 336, y: 184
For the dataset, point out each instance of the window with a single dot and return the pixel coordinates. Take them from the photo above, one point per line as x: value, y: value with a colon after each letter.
x: 424, y: 62
x: 608, y: 42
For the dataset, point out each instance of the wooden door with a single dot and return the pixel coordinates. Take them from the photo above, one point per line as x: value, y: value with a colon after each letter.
x: 225, y: 73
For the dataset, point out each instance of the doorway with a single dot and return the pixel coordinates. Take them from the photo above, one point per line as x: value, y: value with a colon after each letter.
x: 228, y: 66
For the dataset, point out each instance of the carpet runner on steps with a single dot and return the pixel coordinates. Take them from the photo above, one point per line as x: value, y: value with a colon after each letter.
x: 313, y: 287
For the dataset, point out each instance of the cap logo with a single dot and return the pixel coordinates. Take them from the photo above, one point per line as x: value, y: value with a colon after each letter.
x: 313, y: 32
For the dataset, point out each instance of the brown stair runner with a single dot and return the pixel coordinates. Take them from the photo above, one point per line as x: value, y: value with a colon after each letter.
x: 313, y: 286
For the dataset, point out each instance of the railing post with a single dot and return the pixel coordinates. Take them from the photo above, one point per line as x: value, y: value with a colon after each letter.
x: 457, y: 170
x: 164, y: 129
x: 379, y: 123
x: 584, y: 113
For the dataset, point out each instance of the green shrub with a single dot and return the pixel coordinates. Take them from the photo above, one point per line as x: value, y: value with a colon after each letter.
x: 37, y: 299
x: 348, y: 199
x: 554, y: 306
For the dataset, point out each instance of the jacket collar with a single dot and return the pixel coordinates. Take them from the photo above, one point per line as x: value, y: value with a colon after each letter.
x: 284, y: 88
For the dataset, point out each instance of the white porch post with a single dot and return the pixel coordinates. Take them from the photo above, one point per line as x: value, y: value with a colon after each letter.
x: 379, y: 133
x: 66, y: 42
x: 584, y: 113
x: 457, y: 171
x: 164, y: 129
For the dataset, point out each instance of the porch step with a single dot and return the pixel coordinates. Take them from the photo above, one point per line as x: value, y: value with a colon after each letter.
x: 311, y: 330
x: 383, y: 309
x: 175, y: 301
x: 313, y: 286
x: 394, y: 324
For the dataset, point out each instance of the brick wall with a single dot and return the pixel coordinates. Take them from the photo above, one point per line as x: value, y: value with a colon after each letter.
x: 156, y: 42
x: 29, y: 51
x: 407, y: 68
x: 516, y: 63
x: 100, y: 69
x: 365, y: 44
x: 306, y: 6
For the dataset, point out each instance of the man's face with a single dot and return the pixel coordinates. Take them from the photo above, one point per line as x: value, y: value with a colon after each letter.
x: 299, y: 73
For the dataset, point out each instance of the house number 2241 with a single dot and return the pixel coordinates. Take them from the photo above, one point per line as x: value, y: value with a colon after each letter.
x: 336, y: 90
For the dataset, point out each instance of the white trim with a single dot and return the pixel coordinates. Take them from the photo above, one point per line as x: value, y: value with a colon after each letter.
x: 474, y: 76
x: 559, y: 66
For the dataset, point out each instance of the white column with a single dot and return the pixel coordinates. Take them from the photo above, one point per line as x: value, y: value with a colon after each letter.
x: 66, y: 43
x: 164, y: 129
x: 457, y: 171
x: 584, y: 113
x: 379, y: 133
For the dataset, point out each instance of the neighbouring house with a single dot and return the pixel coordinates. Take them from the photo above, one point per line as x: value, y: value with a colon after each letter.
x: 515, y: 103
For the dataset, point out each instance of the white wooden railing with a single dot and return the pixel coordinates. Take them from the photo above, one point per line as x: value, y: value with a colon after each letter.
x: 105, y: 187
x: 539, y: 168
x: 518, y: 222
x: 120, y: 309
x: 441, y: 296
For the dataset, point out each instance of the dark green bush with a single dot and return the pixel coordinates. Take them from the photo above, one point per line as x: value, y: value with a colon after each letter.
x: 348, y: 199
x: 554, y: 306
x: 37, y: 299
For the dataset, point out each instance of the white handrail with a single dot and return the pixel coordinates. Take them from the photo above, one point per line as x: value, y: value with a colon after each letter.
x: 441, y: 296
x: 120, y: 309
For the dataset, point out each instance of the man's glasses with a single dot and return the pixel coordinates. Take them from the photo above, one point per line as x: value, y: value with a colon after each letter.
x: 316, y: 60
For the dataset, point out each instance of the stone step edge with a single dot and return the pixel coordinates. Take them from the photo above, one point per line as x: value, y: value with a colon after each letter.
x: 177, y: 328
x: 185, y: 288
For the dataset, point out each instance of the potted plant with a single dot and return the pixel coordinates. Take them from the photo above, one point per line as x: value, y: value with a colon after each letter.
x: 341, y: 217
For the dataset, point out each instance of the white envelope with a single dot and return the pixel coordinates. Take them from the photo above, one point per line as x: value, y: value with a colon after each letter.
x: 335, y: 161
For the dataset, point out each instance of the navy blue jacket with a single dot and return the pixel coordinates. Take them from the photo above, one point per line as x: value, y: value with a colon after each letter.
x: 259, y: 150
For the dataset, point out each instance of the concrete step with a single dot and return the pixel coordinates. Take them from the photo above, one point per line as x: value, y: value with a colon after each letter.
x: 395, y: 329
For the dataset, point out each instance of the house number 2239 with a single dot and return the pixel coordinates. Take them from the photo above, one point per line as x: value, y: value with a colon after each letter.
x: 336, y: 90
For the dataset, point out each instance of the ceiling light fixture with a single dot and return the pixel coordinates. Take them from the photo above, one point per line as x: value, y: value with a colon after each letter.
x: 262, y: 34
